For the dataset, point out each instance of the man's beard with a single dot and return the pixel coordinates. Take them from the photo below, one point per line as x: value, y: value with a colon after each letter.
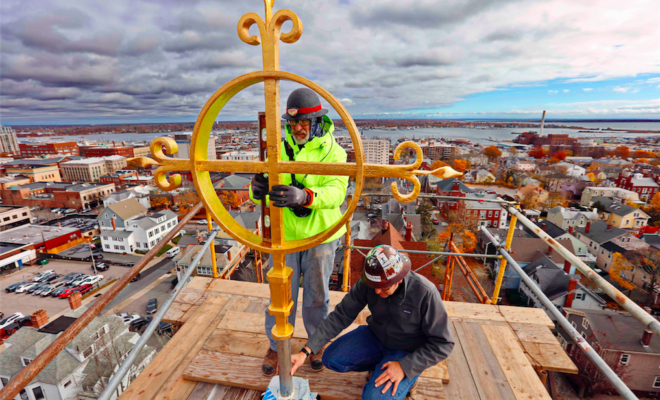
x: 300, y: 141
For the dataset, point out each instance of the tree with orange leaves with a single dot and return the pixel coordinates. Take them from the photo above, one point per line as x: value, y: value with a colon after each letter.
x: 461, y: 165
x: 643, y: 160
x: 465, y: 240
x: 622, y: 152
x: 537, y: 152
x: 493, y: 153
x: 553, y: 160
x: 230, y: 199
x: 438, y: 164
x: 621, y: 272
x: 559, y: 155
x: 644, y: 154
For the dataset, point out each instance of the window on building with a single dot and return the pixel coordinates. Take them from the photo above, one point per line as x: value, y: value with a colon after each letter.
x: 656, y: 382
x: 151, y: 234
x: 116, y: 247
x: 202, y: 270
x: 579, y: 296
x: 137, y: 244
x: 88, y: 351
x: 624, y: 359
x: 38, y: 393
x: 584, y: 335
x: 107, y: 246
x: 146, y: 245
x: 26, y: 361
x: 574, y: 325
x: 4, y: 381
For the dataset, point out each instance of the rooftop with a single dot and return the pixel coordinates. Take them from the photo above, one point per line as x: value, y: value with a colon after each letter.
x: 27, y: 234
x: 93, y: 160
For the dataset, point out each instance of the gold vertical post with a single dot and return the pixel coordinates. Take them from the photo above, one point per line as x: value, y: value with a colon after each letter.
x: 507, y: 246
x: 347, y: 258
x: 209, y: 220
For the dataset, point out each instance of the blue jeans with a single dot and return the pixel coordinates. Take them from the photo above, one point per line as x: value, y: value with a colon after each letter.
x: 360, y: 351
x: 315, y: 265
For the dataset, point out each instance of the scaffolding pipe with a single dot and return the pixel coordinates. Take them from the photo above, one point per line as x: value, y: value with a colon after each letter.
x: 128, y: 362
x: 471, y: 278
x: 347, y: 258
x: 500, y: 274
x: 636, y: 311
x: 552, y: 309
x: 214, y: 262
x: 27, y: 374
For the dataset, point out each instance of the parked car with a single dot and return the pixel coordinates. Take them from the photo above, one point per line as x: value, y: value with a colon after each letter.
x: 101, y: 267
x: 46, y: 291
x: 10, y: 319
x: 173, y: 252
x: 202, y: 222
x: 50, y: 278
x: 86, y: 210
x: 129, y: 318
x: 165, y: 328
x: 42, y: 275
x: 13, y: 287
x: 68, y: 292
x: 57, y: 292
x: 435, y: 221
x: 73, y: 278
x: 136, y: 278
x: 25, y: 288
x: 69, y: 210
x: 39, y: 288
x: 93, y: 279
x: 152, y: 306
x: 98, y: 256
x: 79, y: 280
x: 139, y: 324
x: 43, y: 261
x: 86, y: 288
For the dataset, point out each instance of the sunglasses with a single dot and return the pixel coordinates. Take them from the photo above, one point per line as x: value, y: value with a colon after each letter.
x: 302, y: 122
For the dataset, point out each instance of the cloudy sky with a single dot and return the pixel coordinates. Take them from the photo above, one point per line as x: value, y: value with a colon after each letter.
x: 66, y: 61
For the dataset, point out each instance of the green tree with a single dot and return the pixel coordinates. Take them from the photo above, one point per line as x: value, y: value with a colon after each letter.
x: 599, y: 206
x: 425, y: 210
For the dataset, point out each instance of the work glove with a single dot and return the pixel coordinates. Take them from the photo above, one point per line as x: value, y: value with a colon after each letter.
x: 288, y: 196
x: 259, y: 186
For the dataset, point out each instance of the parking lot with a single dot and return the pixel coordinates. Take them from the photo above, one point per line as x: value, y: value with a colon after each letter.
x: 27, y: 303
x: 82, y: 252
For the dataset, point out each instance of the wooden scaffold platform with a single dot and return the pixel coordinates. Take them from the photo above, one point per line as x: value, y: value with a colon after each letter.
x: 218, y: 349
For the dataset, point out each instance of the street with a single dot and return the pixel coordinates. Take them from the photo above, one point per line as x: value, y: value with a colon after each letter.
x: 146, y: 278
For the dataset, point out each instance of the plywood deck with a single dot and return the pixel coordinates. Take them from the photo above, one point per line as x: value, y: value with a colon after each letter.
x: 497, y: 353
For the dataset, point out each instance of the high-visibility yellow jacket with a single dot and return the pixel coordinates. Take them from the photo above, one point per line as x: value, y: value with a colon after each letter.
x: 329, y: 190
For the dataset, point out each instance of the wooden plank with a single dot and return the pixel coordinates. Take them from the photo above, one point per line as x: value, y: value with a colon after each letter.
x: 429, y: 389
x: 461, y: 386
x: 191, y: 296
x: 257, y: 307
x: 526, y: 315
x: 534, y: 333
x: 245, y: 322
x: 199, y: 283
x: 163, y: 367
x: 202, y: 391
x: 179, y: 313
x: 219, y: 392
x: 522, y: 378
x: 474, y: 311
x: 183, y: 388
x: 550, y: 357
x: 245, y: 372
x: 237, y: 304
x: 486, y: 372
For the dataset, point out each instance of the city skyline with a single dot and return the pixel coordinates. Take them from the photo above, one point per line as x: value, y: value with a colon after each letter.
x: 98, y: 63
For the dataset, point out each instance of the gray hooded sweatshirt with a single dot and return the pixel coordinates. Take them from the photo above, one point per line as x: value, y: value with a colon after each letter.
x: 412, y: 319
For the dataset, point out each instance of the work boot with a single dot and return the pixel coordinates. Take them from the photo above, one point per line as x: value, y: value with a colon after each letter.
x: 315, y: 361
x: 269, y: 367
x: 412, y: 392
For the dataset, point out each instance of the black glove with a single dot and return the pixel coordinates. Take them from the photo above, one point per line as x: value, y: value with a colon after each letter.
x: 288, y: 196
x: 259, y: 186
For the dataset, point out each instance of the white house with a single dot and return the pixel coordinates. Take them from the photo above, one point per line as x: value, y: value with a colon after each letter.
x: 141, y: 193
x: 126, y: 227
x: 483, y: 176
x: 82, y: 367
x: 572, y: 169
x: 566, y: 217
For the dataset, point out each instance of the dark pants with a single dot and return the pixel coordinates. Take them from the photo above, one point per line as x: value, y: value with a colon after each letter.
x: 360, y: 351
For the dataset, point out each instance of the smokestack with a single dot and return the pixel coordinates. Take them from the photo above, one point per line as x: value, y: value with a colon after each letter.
x: 59, y: 224
x: 75, y: 301
x: 572, y: 284
x: 609, y: 227
x: 570, y: 230
x: 549, y: 251
x: 408, y: 231
x: 646, y: 337
x: 588, y: 227
x: 543, y: 226
x: 567, y: 266
x: 114, y: 224
x: 38, y: 319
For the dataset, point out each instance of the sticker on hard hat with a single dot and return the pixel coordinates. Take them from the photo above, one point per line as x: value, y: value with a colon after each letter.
x: 292, y: 111
x: 371, y: 277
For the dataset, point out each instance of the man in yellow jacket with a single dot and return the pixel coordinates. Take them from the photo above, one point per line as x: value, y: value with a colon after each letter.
x: 310, y: 205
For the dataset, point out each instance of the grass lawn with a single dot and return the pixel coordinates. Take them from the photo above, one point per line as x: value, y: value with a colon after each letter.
x: 163, y: 250
x: 176, y: 239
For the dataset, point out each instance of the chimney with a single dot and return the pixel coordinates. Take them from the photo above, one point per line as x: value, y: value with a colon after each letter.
x: 114, y: 224
x: 572, y: 284
x: 408, y: 231
x: 59, y: 224
x: 570, y: 230
x: 586, y: 229
x: 549, y: 251
x: 609, y: 227
x: 38, y: 319
x: 543, y: 226
x: 646, y: 337
x: 75, y: 301
x: 567, y: 266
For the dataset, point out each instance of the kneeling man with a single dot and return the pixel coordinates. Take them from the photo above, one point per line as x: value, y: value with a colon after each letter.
x: 407, y: 332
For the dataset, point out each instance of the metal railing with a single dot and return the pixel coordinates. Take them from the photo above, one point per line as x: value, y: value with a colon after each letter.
x: 126, y: 365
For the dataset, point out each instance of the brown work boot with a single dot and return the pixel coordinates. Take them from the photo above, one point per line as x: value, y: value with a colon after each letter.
x: 269, y: 367
x: 315, y: 361
x: 412, y: 392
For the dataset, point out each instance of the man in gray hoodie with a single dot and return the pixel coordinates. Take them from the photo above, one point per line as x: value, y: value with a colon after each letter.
x: 407, y: 332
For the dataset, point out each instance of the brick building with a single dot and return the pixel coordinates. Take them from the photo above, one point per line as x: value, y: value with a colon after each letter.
x: 91, y: 169
x: 532, y: 138
x: 389, y: 236
x: 579, y: 150
x: 645, y: 186
x: 99, y: 151
x: 438, y: 151
x: 483, y: 213
x: 119, y: 178
x: 39, y: 149
x: 42, y: 237
x: 36, y: 173
x: 56, y: 195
